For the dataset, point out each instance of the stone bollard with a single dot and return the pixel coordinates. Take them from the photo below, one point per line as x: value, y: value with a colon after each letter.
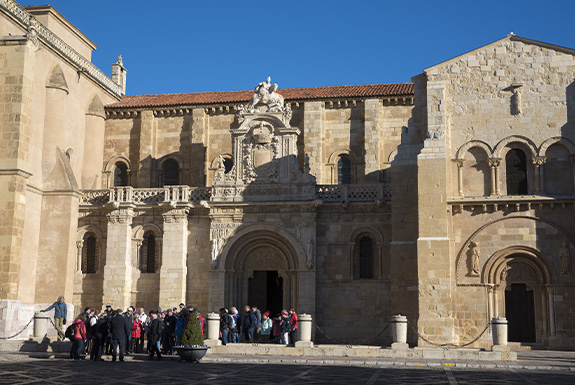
x: 213, y: 330
x: 499, y: 331
x: 499, y: 325
x: 304, y: 326
x: 41, y: 321
x: 399, y: 332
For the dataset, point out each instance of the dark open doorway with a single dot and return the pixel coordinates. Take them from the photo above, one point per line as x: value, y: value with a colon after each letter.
x: 520, y: 313
x: 265, y: 290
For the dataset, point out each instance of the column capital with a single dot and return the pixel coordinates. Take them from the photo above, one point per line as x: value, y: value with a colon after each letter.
x: 494, y: 162
x: 178, y: 215
x: 123, y: 215
x: 539, y: 160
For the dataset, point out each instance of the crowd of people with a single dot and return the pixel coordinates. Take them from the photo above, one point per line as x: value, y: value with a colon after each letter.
x: 253, y: 326
x: 118, y: 333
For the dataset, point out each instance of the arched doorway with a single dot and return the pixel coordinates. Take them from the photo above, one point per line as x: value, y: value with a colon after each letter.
x: 521, y: 279
x: 262, y: 265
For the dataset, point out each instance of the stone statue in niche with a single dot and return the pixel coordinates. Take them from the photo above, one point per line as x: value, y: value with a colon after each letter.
x: 265, y: 95
x: 309, y: 255
x: 515, y: 100
x: 565, y: 259
x: 473, y: 257
x: 504, y: 273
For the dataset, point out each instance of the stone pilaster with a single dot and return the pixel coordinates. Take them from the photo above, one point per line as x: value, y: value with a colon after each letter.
x: 433, y: 245
x: 313, y: 138
x: 118, y: 268
x: 147, y: 150
x: 373, y: 143
x: 174, y: 257
x: 197, y: 152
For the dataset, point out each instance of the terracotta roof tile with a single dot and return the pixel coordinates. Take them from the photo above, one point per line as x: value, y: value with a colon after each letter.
x: 290, y: 94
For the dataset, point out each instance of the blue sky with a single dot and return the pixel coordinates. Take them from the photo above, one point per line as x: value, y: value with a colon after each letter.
x: 196, y: 46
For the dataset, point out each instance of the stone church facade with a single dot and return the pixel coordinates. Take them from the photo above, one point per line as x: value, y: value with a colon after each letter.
x: 448, y: 199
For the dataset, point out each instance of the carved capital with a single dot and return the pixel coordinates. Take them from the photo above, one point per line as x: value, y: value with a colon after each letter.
x: 539, y: 160
x: 123, y: 216
x: 494, y: 162
x: 176, y: 215
x: 459, y: 163
x: 79, y: 244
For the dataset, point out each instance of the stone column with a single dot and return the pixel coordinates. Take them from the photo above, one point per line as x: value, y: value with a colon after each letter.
x: 213, y: 330
x: 460, y: 177
x: 399, y: 332
x: 494, y: 166
x: 174, y: 270
x: 198, y: 163
x: 305, y: 327
x: 538, y: 162
x: 118, y: 268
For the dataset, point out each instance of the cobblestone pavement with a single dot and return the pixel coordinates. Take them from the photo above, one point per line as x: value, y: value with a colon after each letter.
x: 21, y: 369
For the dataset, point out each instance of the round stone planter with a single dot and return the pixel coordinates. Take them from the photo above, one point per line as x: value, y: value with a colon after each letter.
x: 191, y: 354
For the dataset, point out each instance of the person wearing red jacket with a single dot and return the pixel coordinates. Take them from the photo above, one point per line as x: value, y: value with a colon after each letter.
x: 78, y: 337
x: 293, y: 326
x: 136, y: 333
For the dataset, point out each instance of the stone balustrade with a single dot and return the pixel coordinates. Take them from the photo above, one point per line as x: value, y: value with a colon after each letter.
x: 187, y: 194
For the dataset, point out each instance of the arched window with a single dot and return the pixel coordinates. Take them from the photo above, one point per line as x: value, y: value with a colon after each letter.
x: 516, y: 172
x: 365, y: 258
x: 343, y: 170
x: 171, y: 173
x: 120, y: 174
x: 148, y: 254
x: 89, y: 255
x: 228, y: 164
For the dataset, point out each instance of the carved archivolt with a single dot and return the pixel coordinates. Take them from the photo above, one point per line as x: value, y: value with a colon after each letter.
x: 476, y: 266
x: 265, y: 258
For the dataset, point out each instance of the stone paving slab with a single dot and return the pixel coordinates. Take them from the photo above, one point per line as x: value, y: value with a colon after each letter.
x: 20, y: 369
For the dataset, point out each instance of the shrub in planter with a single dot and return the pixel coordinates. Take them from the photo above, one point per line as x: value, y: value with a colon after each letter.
x: 192, y: 335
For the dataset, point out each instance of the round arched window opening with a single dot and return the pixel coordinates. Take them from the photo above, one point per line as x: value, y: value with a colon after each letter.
x: 171, y: 172
x: 120, y: 174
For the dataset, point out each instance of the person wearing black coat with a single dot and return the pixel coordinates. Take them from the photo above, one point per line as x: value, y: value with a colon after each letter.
x: 249, y: 323
x: 156, y: 330
x: 120, y: 329
x: 101, y: 331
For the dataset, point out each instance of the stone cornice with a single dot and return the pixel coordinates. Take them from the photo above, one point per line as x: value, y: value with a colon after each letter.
x: 83, y: 65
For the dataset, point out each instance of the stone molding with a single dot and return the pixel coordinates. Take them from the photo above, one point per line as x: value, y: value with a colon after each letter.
x: 83, y: 65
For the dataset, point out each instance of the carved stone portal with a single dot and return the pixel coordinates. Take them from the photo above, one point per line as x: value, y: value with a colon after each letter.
x: 264, y: 154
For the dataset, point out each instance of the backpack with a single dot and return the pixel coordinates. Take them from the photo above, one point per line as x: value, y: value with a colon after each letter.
x: 70, y: 330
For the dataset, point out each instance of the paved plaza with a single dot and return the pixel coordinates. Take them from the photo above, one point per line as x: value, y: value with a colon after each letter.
x: 532, y: 368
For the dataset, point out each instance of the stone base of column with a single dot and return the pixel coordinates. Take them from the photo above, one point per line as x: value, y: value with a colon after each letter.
x: 304, y: 344
x: 500, y: 348
x: 400, y: 346
x: 212, y: 342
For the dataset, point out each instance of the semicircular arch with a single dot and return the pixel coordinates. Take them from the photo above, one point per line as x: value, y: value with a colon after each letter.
x: 251, y: 237
x: 554, y: 140
x: 528, y: 143
x: 473, y: 143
